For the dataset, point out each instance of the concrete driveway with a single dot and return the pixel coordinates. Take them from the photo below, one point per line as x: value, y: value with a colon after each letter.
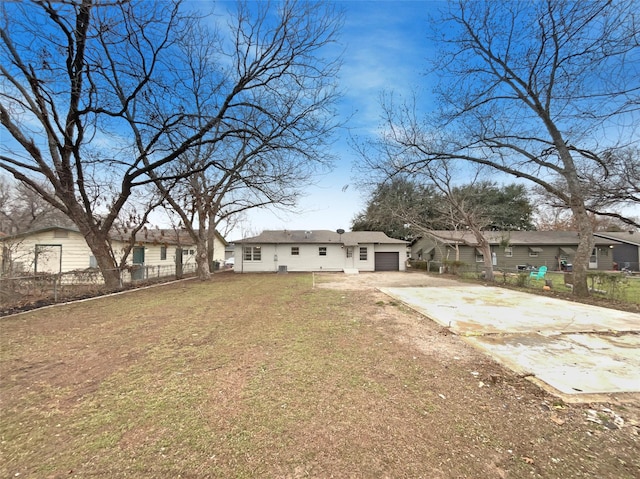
x: 574, y: 350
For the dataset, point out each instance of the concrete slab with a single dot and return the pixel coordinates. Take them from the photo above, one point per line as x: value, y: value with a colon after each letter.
x: 573, y: 349
x: 475, y: 310
x: 571, y: 364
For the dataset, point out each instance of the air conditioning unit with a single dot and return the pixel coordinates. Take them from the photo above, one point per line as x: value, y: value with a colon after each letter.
x: 282, y: 268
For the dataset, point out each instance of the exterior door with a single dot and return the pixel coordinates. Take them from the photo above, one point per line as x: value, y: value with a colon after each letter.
x: 138, y: 263
x: 593, y: 259
x: 349, y: 254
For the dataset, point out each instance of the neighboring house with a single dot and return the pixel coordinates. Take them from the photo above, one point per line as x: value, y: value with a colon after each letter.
x: 57, y: 250
x: 322, y: 250
x: 513, y: 249
x: 229, y: 250
x: 626, y: 255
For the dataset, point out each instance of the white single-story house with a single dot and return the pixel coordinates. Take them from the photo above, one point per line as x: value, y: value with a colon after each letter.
x: 58, y: 249
x: 323, y: 250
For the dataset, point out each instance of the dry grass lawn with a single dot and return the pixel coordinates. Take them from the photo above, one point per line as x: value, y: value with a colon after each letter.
x: 252, y: 376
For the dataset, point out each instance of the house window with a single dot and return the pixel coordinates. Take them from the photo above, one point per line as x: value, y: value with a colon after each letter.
x: 508, y: 252
x: 349, y: 252
x: 163, y: 252
x: 192, y: 252
x: 252, y: 253
x: 295, y: 251
x: 322, y: 251
x: 534, y: 252
x: 479, y: 258
x: 363, y: 254
x: 93, y: 263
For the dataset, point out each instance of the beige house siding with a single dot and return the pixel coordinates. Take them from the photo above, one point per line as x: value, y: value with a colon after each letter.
x: 63, y: 250
x: 73, y: 250
x: 153, y: 254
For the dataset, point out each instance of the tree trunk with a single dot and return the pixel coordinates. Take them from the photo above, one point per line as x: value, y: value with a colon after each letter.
x: 485, y: 247
x: 104, y: 257
x: 202, y: 264
x: 210, y: 261
x: 488, y: 263
x: 579, y: 211
x: 211, y: 235
x: 583, y: 252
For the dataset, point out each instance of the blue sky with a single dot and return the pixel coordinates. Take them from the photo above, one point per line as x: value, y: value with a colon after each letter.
x: 385, y: 49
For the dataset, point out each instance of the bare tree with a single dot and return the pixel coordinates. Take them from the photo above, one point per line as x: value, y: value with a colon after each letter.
x: 457, y: 208
x: 22, y: 209
x: 275, y: 141
x: 618, y: 188
x: 96, y: 104
x: 533, y: 90
x: 551, y: 217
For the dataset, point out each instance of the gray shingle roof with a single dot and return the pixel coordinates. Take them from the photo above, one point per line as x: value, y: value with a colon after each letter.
x: 517, y: 237
x: 320, y: 237
x: 631, y: 237
x: 145, y: 235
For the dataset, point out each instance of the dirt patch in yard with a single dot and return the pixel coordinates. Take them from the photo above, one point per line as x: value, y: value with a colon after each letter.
x: 283, y: 376
x: 372, y: 281
x: 459, y: 359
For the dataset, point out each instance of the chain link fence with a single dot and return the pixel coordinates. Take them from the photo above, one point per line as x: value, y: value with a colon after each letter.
x: 34, y: 290
x: 618, y: 285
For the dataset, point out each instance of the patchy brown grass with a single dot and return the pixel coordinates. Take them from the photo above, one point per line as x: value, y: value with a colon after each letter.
x: 267, y: 376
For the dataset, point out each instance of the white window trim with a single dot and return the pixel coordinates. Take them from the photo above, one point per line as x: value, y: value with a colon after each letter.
x: 251, y: 257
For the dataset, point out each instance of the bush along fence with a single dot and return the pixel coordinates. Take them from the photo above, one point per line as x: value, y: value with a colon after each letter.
x: 617, y: 285
x: 41, y: 288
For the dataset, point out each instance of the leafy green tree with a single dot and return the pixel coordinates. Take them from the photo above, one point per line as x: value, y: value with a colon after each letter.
x: 394, y: 206
x: 507, y: 207
x: 403, y: 208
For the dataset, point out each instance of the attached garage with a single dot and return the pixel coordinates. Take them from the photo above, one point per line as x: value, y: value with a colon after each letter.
x: 388, y: 261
